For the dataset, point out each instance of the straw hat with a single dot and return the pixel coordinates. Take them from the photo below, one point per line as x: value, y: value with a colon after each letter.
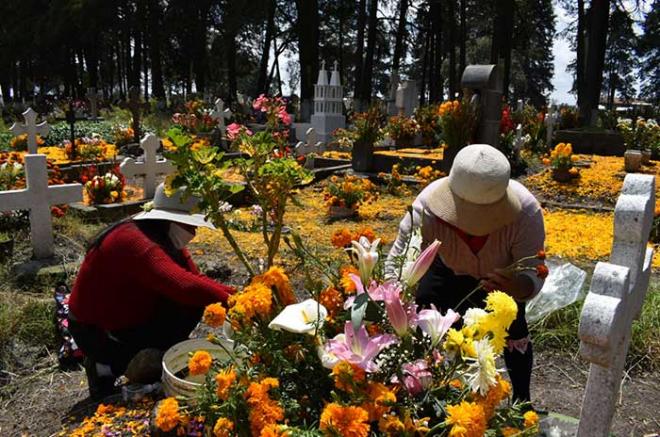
x: 174, y: 209
x: 476, y: 197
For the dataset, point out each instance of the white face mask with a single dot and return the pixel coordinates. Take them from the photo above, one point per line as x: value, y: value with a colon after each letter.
x: 180, y: 236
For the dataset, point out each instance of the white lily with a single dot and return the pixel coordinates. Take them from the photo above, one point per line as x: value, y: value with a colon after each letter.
x: 367, y: 254
x: 300, y: 318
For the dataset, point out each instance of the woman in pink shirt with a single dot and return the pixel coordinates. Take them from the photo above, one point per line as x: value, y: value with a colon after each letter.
x: 485, y: 222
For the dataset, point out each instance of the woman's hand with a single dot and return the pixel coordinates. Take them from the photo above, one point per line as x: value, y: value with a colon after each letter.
x: 519, y: 287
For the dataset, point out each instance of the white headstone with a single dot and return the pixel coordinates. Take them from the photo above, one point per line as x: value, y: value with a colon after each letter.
x: 615, y: 299
x: 632, y: 160
x: 220, y: 114
x: 550, y: 120
x: 38, y: 197
x: 311, y: 144
x: 149, y: 167
x: 92, y: 96
x: 31, y: 128
x: 407, y: 98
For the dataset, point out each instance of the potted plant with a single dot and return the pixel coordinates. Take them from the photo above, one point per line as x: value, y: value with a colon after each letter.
x: 561, y: 162
x: 459, y: 122
x: 429, y: 124
x: 344, y: 196
x: 366, y: 131
x: 104, y: 189
x: 6, y: 246
x: 402, y: 130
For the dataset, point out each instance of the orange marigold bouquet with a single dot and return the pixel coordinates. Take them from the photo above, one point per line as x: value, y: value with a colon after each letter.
x: 561, y: 161
x: 459, y: 122
x: 349, y: 192
x: 356, y: 360
x: 20, y: 144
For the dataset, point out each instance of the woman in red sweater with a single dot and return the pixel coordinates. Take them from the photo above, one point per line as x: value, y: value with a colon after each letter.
x: 138, y: 289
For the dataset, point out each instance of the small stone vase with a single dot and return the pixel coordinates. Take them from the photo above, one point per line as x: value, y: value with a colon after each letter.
x: 341, y: 212
x: 561, y: 174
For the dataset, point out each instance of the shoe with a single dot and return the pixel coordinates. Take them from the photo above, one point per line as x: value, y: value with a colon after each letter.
x: 99, y: 386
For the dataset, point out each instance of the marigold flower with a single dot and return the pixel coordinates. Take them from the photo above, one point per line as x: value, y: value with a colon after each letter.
x: 540, y: 255
x: 274, y: 430
x: 223, y: 382
x: 332, y: 300
x: 264, y: 411
x: 531, y: 418
x: 341, y: 238
x: 275, y: 277
x: 546, y: 161
x: 346, y: 282
x: 365, y: 232
x: 573, y: 171
x: 168, y: 416
x: 467, y: 419
x: 223, y: 427
x: 200, y: 363
x: 345, y: 421
x: 347, y: 375
x: 542, y: 271
x: 509, y: 431
x: 380, y: 401
x: 214, y: 315
x: 255, y: 300
x: 391, y: 425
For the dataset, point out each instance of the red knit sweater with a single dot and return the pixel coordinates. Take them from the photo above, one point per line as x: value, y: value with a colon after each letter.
x: 121, y: 281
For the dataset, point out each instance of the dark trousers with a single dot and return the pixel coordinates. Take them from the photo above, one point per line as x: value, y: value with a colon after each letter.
x: 443, y: 288
x: 171, y: 324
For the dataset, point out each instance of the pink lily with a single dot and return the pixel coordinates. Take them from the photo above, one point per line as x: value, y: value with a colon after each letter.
x: 396, y: 312
x: 434, y: 324
x: 414, y: 273
x: 417, y: 376
x: 358, y: 348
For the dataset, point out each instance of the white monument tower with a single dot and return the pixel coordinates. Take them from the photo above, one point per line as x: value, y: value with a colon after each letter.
x: 328, y: 104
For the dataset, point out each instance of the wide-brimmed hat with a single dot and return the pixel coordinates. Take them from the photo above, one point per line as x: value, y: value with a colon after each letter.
x: 477, y: 196
x: 175, y: 209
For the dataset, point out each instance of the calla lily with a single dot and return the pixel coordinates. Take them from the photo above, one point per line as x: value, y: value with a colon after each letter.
x: 414, y: 272
x: 367, y: 255
x: 300, y: 318
x: 434, y: 324
x: 357, y: 347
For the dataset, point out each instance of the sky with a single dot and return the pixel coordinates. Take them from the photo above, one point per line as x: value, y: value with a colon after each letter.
x: 561, y: 50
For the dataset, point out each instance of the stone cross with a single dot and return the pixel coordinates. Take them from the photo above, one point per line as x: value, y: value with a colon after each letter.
x: 92, y: 96
x: 149, y: 167
x: 31, y: 128
x: 485, y: 83
x: 550, y: 120
x: 220, y: 114
x: 615, y: 299
x: 311, y: 144
x: 518, y: 142
x: 38, y: 197
x: 521, y: 105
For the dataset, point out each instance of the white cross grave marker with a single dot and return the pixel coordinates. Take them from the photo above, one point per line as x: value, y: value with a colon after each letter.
x: 615, y: 299
x: 517, y: 141
x: 550, y: 120
x: 31, y: 128
x: 38, y: 197
x: 220, y: 114
x: 149, y: 167
x: 311, y: 144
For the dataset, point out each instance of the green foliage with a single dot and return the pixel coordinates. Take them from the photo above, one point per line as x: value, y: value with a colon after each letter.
x: 61, y: 131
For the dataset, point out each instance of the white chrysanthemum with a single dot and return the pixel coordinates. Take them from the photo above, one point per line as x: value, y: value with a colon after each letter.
x: 482, y: 372
x: 473, y: 316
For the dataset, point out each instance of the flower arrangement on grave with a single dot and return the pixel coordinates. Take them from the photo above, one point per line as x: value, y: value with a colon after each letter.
x: 123, y: 135
x: 394, y: 184
x: 196, y: 119
x: 92, y: 148
x: 104, y: 189
x: 343, y: 196
x: 368, y: 363
x: 427, y: 174
x: 429, y: 123
x: 273, y: 109
x: 343, y: 237
x: 11, y: 172
x: 401, y: 129
x: 569, y: 117
x: 459, y: 121
x: 20, y: 143
x: 561, y: 162
x: 642, y: 134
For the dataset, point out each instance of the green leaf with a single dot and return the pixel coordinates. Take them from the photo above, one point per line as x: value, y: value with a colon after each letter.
x: 358, y: 309
x: 205, y: 155
x: 178, y: 136
x: 236, y: 188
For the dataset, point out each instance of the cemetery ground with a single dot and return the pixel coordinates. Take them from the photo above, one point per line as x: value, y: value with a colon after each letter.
x: 36, y: 398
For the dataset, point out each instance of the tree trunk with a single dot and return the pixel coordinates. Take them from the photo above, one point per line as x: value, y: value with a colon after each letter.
x: 502, y: 40
x: 452, y: 49
x: 200, y: 51
x: 463, y: 40
x: 367, y: 70
x: 400, y: 35
x: 155, y: 23
x: 435, y: 70
x: 425, y: 59
x: 307, y: 28
x: 263, y: 66
x: 580, y: 54
x: 359, y: 51
x: 598, y: 22
x: 230, y: 43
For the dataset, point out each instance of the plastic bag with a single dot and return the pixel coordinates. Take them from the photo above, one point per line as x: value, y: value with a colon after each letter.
x: 562, y: 287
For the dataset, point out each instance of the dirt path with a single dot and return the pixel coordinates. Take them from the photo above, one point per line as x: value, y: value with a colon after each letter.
x: 43, y: 403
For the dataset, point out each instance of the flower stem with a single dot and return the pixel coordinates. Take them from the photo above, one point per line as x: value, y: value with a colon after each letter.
x: 220, y: 221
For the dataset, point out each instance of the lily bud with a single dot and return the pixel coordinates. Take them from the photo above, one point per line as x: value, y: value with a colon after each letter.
x: 421, y: 264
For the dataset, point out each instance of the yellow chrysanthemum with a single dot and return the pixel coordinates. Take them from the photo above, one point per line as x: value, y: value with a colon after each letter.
x: 503, y: 306
x: 531, y: 419
x: 345, y: 421
x: 467, y: 419
x: 223, y: 427
x: 456, y: 343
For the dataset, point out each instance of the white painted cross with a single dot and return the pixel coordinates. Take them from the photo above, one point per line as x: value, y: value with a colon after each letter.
x: 311, y: 144
x: 615, y: 299
x: 517, y: 141
x: 149, y: 167
x: 31, y: 128
x: 550, y: 120
x: 38, y: 197
x: 220, y: 114
x: 521, y: 105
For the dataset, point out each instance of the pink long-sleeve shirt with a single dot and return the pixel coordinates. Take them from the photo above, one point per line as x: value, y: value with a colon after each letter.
x: 522, y: 238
